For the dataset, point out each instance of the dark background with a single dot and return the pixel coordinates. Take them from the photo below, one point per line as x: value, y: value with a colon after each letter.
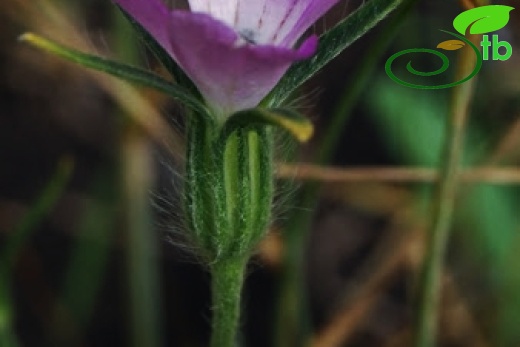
x: 70, y: 282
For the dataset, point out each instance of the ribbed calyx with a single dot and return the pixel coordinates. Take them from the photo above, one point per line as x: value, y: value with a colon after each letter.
x: 228, y: 189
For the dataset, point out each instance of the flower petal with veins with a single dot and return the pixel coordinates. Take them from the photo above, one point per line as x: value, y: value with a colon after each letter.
x: 235, y: 51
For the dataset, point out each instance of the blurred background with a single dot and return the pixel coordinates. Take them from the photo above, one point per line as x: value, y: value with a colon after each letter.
x: 91, y: 172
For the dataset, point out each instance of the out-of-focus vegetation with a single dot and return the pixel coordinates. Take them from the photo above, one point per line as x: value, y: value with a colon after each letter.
x: 98, y: 256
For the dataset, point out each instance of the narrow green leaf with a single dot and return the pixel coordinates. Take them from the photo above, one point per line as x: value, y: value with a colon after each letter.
x: 297, y: 125
x: 123, y: 71
x: 483, y: 19
x: 332, y: 43
x: 160, y: 53
x: 41, y: 208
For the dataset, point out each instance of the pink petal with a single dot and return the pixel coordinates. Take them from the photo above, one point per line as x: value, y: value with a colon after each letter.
x: 230, y: 74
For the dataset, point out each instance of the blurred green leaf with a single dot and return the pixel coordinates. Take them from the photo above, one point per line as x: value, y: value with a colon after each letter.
x: 410, y: 121
x: 16, y: 239
x: 89, y: 257
x: 487, y: 215
x: 41, y: 208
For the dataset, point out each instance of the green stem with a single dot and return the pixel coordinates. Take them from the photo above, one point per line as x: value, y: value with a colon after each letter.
x: 228, y: 195
x: 428, y: 307
x: 227, y: 282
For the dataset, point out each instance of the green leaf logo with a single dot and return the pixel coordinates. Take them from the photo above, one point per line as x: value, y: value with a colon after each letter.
x: 482, y: 20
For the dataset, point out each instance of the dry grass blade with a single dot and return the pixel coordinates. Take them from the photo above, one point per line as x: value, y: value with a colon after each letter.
x: 457, y: 321
x: 358, y: 305
x: 509, y: 147
x: 496, y: 175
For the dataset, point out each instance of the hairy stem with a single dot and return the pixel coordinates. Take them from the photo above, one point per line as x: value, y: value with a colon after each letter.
x: 228, y: 195
x: 227, y: 282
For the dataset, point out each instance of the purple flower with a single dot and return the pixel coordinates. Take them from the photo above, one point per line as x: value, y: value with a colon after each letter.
x: 235, y: 51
